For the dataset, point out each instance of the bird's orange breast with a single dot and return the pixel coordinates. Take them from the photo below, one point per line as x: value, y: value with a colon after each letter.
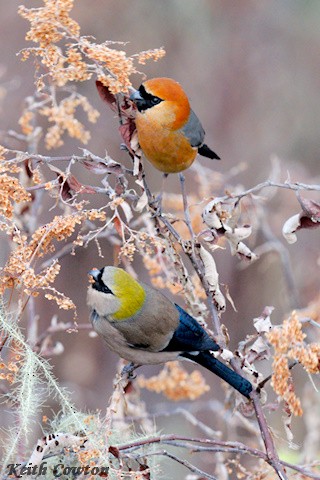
x: 166, y: 148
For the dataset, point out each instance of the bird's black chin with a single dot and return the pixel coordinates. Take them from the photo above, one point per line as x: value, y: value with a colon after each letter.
x: 142, y: 105
x: 101, y: 287
x: 98, y: 283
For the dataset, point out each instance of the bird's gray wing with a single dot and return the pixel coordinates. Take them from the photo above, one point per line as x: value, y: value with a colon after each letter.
x: 193, y: 130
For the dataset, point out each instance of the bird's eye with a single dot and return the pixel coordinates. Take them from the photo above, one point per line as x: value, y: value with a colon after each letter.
x: 100, y: 286
x: 155, y: 100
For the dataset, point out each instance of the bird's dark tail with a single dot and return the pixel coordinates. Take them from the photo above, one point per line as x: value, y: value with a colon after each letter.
x: 205, y: 151
x: 214, y: 365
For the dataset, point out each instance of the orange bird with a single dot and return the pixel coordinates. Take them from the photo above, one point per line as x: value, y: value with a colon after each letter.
x: 169, y: 132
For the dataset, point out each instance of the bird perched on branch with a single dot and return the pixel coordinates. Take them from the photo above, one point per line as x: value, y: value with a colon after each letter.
x: 145, y: 327
x: 169, y: 132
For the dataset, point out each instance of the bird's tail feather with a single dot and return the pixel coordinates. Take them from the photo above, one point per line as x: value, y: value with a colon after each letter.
x: 214, y: 365
x: 205, y: 151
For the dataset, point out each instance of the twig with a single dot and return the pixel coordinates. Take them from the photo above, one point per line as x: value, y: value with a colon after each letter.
x: 273, y: 458
x: 296, y: 186
x: 185, y: 463
x: 70, y: 247
x: 180, y: 441
x: 268, y: 378
x: 62, y: 327
x: 197, y: 265
x: 310, y: 321
x: 185, y: 204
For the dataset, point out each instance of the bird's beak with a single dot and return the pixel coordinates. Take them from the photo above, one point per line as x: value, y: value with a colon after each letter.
x: 137, y: 99
x: 135, y: 95
x: 94, y: 273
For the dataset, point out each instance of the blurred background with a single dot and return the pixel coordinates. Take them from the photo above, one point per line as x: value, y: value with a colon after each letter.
x: 252, y: 73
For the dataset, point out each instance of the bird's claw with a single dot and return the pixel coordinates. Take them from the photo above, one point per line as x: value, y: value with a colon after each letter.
x: 128, y: 370
x: 156, y: 206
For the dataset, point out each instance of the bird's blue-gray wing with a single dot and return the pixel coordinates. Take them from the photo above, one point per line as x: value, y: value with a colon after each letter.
x: 190, y: 336
x: 193, y: 130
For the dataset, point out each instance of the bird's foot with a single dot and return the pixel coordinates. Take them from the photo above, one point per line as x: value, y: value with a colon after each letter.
x: 156, y: 203
x: 124, y: 147
x: 128, y: 370
x: 156, y: 206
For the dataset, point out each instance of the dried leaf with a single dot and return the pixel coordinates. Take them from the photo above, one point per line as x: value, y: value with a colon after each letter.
x: 210, y: 268
x: 126, y: 110
x: 234, y: 237
x: 287, y: 419
x: 118, y: 103
x: 291, y: 226
x: 210, y: 215
x: 212, y: 277
x: 262, y: 324
x: 136, y: 165
x: 146, y: 471
x: 141, y: 203
x: 106, y: 96
x: 226, y: 354
x: 114, y: 451
x: 77, y: 187
x: 117, y: 226
x: 261, y: 350
x: 229, y: 298
x: 308, y: 218
x: 56, y: 170
x: 127, y: 210
x: 127, y: 130
x: 242, y: 232
x: 221, y: 216
x: 310, y: 208
x: 101, y: 168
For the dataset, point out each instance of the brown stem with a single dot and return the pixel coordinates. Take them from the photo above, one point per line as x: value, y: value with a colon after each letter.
x: 185, y: 463
x: 273, y: 458
x: 216, y: 446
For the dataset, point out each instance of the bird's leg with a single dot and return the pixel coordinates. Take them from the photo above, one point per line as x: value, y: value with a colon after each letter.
x: 185, y: 204
x: 158, y: 200
x: 129, y: 369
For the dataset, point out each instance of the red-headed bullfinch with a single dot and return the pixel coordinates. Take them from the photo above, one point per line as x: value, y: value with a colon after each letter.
x: 169, y: 132
x: 143, y: 326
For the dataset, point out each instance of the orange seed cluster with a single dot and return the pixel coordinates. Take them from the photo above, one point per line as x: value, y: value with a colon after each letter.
x: 69, y: 57
x: 19, y: 269
x: 288, y: 343
x: 154, y: 55
x: 45, y: 21
x: 9, y: 371
x: 176, y: 383
x: 63, y: 118
x: 11, y: 191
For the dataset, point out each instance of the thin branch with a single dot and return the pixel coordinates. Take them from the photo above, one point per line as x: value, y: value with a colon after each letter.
x: 180, y: 441
x: 268, y: 378
x: 184, y: 442
x: 185, y: 463
x: 273, y: 458
x: 62, y: 327
x: 296, y: 186
x: 70, y: 247
x: 185, y: 204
